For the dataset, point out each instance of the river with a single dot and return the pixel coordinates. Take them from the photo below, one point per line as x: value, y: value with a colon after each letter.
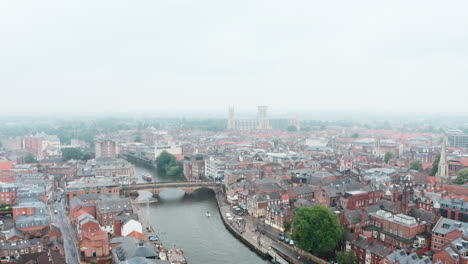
x: 181, y: 222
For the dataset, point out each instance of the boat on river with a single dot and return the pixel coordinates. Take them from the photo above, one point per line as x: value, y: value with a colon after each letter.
x: 147, y: 177
x: 208, y: 214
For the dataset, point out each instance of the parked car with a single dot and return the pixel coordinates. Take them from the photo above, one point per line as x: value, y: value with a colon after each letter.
x: 286, y: 240
x: 55, y: 211
x: 291, y: 242
x: 281, y: 236
x: 153, y: 238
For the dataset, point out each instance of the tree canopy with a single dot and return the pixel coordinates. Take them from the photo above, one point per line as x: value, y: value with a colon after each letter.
x: 346, y: 257
x: 29, y: 158
x: 462, y: 177
x: 168, y: 165
x: 388, y: 156
x: 72, y: 153
x: 355, y: 135
x: 316, y: 229
x: 416, y: 165
x: 76, y: 154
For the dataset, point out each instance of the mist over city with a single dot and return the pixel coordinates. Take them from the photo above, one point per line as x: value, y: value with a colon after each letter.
x: 303, y: 132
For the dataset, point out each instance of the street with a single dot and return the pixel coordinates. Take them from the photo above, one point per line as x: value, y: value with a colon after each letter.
x: 71, y: 251
x: 266, y: 236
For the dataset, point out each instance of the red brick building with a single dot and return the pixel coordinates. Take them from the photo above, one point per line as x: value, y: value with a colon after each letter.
x: 68, y: 169
x: 84, y: 186
x: 446, y: 231
x: 397, y: 231
x: 33, y: 144
x: 455, y: 209
x: 356, y: 199
x: 368, y: 250
x: 94, y: 244
x: 108, y: 209
x: 8, y: 193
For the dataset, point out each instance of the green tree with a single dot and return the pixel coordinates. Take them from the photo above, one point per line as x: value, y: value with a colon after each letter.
x: 287, y: 226
x: 174, y: 170
x: 388, y: 156
x: 316, y: 229
x: 435, y: 165
x: 138, y: 138
x: 462, y: 177
x: 88, y: 156
x: 416, y: 165
x: 346, y: 257
x: 167, y: 164
x: 164, y: 161
x: 29, y: 158
x: 72, y: 153
x: 292, y: 128
x: 355, y: 135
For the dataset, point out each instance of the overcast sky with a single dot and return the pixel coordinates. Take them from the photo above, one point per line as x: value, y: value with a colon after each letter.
x: 173, y: 55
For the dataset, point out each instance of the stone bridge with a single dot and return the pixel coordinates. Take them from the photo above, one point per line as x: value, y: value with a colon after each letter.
x: 158, y: 187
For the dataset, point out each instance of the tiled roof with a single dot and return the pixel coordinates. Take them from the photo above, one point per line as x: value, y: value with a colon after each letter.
x: 445, y: 226
x: 6, y: 165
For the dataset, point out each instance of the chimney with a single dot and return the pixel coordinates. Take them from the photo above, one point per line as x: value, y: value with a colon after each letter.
x: 363, y: 215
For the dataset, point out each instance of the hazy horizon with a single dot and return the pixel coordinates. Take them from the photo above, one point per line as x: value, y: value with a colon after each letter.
x: 202, y: 57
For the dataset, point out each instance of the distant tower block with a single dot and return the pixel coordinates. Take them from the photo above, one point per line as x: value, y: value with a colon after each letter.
x: 231, y: 120
x: 262, y: 117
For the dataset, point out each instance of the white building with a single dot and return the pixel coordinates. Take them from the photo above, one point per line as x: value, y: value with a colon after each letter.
x: 131, y: 225
x: 214, y: 168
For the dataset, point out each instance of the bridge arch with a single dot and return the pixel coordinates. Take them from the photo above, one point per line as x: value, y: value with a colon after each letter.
x: 157, y: 188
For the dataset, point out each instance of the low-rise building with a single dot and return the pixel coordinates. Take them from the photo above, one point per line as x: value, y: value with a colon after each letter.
x: 397, y: 231
x: 455, y: 209
x: 358, y: 198
x: 108, y: 209
x: 403, y: 257
x: 92, y: 185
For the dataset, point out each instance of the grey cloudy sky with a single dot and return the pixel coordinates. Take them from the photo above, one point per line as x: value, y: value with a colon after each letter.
x: 177, y: 55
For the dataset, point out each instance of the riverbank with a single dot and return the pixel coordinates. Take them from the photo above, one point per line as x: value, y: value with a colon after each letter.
x: 173, y: 255
x: 262, y: 242
x: 244, y: 232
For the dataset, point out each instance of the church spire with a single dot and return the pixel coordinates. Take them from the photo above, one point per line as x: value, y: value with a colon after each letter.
x: 443, y: 166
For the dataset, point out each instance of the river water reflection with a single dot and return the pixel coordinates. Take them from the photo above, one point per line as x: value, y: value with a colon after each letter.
x: 181, y: 222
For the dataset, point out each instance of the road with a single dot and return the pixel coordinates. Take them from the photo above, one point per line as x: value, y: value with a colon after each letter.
x: 268, y: 236
x: 69, y: 240
x: 273, y: 234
